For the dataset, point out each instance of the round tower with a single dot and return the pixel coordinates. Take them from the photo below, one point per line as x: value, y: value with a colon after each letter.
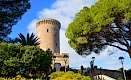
x: 48, y: 34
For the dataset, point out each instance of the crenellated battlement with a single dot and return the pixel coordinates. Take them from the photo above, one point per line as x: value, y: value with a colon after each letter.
x: 48, y: 21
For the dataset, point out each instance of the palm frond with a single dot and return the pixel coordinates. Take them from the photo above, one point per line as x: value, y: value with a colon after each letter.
x: 28, y: 40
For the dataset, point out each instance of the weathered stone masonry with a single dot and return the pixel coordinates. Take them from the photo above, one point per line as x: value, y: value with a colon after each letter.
x: 48, y: 34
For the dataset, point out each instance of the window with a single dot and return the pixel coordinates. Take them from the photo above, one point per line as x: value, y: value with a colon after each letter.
x: 47, y: 30
x: 56, y: 44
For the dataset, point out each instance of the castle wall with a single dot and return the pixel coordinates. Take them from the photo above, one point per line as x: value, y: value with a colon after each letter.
x: 60, y: 59
x: 48, y: 34
x: 111, y: 73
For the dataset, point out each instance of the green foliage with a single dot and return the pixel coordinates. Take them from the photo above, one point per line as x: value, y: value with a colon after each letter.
x: 120, y: 69
x: 128, y: 74
x: 68, y: 76
x: 10, y: 12
x: 28, y: 40
x: 119, y: 79
x: 31, y: 59
x: 104, y: 23
x: 18, y: 77
x: 86, y: 69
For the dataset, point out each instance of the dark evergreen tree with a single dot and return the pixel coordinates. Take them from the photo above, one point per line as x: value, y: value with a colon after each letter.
x: 10, y: 12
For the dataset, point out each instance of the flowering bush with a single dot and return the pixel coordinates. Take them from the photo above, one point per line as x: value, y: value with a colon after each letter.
x: 68, y: 76
x: 18, y: 77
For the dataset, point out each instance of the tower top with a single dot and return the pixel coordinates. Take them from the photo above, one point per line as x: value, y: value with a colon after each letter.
x: 48, y: 21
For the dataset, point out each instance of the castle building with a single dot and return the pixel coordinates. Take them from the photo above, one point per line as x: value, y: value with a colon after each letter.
x: 48, y: 34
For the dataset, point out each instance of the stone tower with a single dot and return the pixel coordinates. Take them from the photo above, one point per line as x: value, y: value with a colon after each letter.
x: 48, y: 34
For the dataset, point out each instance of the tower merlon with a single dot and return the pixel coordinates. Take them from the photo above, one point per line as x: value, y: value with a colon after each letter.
x: 48, y: 21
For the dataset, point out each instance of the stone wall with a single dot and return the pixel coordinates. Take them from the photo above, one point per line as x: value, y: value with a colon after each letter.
x: 48, y: 34
x: 111, y: 73
x: 60, y: 59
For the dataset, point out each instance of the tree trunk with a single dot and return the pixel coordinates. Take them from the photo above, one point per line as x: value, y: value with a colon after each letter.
x: 129, y: 52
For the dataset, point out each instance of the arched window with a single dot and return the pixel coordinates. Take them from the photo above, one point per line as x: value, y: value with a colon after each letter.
x: 56, y: 44
x: 47, y: 30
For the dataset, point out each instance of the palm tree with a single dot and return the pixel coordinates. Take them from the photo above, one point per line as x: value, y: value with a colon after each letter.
x: 28, y: 40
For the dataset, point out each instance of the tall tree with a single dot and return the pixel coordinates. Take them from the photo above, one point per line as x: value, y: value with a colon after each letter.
x: 106, y: 23
x: 10, y: 12
x: 28, y: 40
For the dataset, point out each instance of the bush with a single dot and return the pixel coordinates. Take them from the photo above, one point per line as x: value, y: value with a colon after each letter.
x: 68, y: 76
x: 18, y: 77
x: 119, y: 79
x: 16, y: 59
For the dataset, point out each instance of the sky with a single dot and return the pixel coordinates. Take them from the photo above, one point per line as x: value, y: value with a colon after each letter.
x: 64, y: 11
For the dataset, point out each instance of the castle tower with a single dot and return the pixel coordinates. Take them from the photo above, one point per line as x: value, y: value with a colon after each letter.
x: 48, y: 34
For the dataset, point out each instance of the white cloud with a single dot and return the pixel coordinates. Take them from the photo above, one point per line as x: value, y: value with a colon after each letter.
x: 32, y: 26
x: 64, y: 11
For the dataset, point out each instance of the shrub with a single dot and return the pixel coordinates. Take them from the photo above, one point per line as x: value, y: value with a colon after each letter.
x: 68, y: 76
x: 18, y: 77
x: 16, y: 59
x: 119, y: 79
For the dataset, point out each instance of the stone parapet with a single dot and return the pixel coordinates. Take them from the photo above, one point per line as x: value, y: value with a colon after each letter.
x: 48, y: 21
x: 59, y: 58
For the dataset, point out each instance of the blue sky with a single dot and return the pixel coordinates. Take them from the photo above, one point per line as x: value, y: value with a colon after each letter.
x: 64, y: 11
